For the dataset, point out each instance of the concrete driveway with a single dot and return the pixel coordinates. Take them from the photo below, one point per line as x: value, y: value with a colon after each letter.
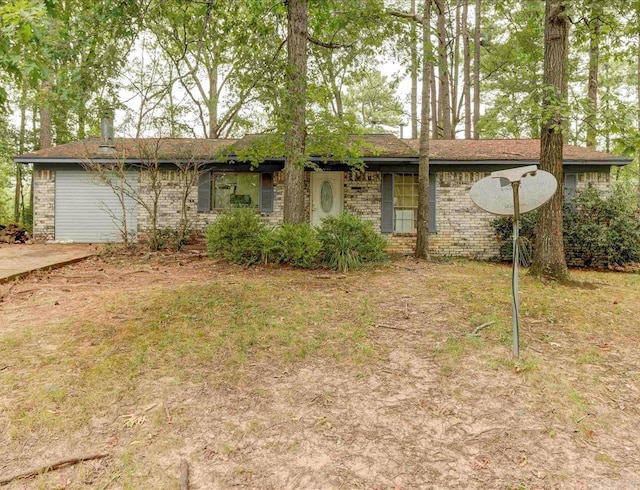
x: 19, y: 259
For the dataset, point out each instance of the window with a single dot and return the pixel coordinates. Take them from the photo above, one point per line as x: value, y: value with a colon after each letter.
x: 405, y: 203
x: 570, y: 186
x: 235, y: 190
x: 229, y: 190
x: 400, y: 202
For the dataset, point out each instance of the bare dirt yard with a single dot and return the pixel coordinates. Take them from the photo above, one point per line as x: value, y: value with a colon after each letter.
x: 274, y: 378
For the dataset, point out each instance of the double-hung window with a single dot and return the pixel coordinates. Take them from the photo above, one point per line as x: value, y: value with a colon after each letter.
x: 230, y: 190
x: 570, y: 186
x: 400, y: 202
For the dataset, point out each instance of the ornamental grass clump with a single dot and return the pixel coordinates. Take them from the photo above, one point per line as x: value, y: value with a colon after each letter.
x: 349, y: 242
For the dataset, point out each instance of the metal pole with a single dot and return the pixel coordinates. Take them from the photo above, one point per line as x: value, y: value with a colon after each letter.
x: 516, y: 263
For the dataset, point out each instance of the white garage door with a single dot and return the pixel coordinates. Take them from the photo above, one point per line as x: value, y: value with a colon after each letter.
x: 89, y: 211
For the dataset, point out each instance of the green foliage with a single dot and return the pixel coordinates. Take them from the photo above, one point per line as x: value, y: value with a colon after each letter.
x: 374, y: 102
x: 514, y: 63
x: 604, y: 228
x: 598, y: 229
x: 297, y: 245
x: 237, y: 236
x: 349, y: 242
x: 504, y: 231
x: 343, y: 242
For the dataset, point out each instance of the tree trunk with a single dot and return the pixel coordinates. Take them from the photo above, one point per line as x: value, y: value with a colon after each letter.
x: 414, y: 75
x: 435, y: 121
x: 466, y: 70
x: 443, y: 72
x: 45, y: 116
x: 476, y: 72
x: 638, y: 94
x: 455, y: 111
x: 295, y: 135
x: 592, y: 88
x: 422, y: 239
x: 337, y: 95
x: 549, y: 259
x: 18, y: 199
x: 213, y: 102
x: 82, y: 120
x: 607, y: 107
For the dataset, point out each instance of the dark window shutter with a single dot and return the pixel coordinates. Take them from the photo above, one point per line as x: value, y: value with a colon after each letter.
x: 387, y: 204
x: 570, y: 186
x: 266, y: 193
x: 432, y: 203
x: 204, y: 192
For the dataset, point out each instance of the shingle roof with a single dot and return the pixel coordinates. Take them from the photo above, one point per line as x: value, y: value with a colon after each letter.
x: 369, y: 146
x: 136, y: 148
x: 504, y: 149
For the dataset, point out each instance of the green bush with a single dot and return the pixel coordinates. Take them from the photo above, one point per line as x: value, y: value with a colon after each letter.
x: 297, y: 245
x: 348, y: 243
x: 598, y: 230
x: 237, y: 236
x: 603, y: 229
x: 504, y: 231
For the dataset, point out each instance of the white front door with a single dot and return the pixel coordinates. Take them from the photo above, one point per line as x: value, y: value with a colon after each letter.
x: 326, y: 195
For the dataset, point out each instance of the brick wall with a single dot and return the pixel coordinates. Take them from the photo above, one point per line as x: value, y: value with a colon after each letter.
x: 463, y: 229
x: 44, y: 204
x: 171, y: 186
x: 363, y: 197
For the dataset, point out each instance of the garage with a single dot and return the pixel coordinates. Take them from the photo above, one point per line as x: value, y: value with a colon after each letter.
x: 88, y: 211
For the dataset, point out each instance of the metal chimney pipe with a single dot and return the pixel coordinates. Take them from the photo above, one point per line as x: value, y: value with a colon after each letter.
x: 107, y: 143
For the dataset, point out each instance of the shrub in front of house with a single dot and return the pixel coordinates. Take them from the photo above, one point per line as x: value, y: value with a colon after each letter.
x: 599, y: 230
x: 349, y: 242
x: 503, y: 228
x: 237, y: 236
x: 603, y: 228
x: 167, y: 239
x: 296, y: 245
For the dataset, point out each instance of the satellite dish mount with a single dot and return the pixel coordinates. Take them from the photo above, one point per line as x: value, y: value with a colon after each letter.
x: 530, y: 189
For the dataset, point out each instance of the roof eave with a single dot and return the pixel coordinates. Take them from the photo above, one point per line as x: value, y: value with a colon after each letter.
x: 21, y: 159
x: 376, y: 159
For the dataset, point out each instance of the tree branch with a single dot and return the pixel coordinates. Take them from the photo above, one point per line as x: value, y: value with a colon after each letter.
x: 405, y: 15
x: 51, y: 467
x: 330, y: 45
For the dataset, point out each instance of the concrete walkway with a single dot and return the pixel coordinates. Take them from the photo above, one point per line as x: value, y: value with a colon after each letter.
x: 17, y: 260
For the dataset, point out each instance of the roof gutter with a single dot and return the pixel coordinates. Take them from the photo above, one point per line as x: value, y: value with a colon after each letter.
x: 408, y: 161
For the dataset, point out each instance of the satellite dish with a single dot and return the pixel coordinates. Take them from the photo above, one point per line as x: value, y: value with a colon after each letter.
x: 511, y: 192
x: 495, y: 194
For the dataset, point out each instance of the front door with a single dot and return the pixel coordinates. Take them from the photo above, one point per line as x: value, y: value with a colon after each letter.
x: 326, y: 195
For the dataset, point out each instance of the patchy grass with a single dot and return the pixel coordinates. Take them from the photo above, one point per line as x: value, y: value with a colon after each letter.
x: 265, y: 377
x: 209, y: 333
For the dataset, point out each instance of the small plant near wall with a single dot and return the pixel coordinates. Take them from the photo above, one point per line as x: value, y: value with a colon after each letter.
x: 168, y: 239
